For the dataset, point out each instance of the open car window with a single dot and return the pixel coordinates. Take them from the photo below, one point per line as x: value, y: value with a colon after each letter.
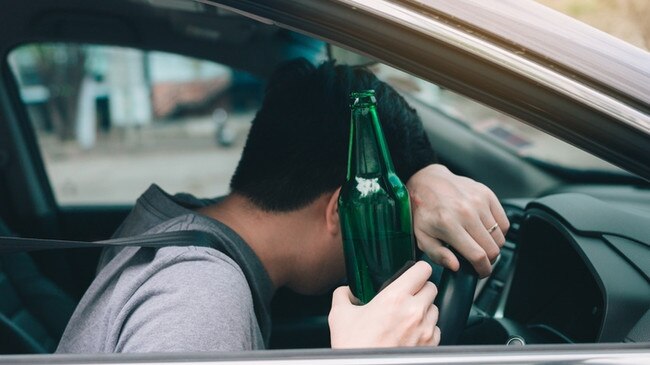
x: 111, y: 120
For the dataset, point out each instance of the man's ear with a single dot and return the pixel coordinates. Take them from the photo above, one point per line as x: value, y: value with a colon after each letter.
x: 332, y: 213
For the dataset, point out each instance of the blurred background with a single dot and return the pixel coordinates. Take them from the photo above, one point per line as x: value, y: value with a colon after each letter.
x: 628, y: 20
x: 112, y: 120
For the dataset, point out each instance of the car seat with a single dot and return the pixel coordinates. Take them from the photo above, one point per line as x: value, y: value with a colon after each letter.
x: 33, y: 310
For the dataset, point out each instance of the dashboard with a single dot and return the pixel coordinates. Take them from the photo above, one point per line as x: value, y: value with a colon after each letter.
x: 575, y: 269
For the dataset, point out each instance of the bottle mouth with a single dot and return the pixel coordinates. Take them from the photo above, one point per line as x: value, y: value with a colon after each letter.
x: 362, y: 98
x: 369, y: 92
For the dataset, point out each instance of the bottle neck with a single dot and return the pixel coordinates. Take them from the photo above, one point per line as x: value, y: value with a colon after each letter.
x: 368, y: 155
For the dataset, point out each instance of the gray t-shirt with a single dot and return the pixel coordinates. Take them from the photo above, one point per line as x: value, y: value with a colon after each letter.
x: 173, y: 298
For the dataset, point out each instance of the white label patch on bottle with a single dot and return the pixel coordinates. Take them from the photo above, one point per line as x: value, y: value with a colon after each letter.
x: 367, y: 186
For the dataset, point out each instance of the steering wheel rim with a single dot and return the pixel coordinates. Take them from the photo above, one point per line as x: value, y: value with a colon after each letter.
x: 454, y: 300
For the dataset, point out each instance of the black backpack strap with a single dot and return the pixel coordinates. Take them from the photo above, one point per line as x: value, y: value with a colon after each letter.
x: 177, y: 238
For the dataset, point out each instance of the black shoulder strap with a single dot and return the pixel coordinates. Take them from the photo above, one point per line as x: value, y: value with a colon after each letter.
x: 178, y: 238
x: 23, y: 342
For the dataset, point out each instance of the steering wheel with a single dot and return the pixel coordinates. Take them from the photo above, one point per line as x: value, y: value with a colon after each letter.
x: 454, y: 300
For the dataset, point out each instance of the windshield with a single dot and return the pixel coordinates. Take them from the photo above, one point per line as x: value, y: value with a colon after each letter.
x: 492, y: 125
x: 501, y: 129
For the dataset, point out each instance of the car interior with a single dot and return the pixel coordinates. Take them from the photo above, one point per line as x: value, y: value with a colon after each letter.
x: 575, y: 268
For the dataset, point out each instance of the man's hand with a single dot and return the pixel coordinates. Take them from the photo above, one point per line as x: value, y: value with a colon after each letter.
x: 402, y: 314
x: 459, y: 211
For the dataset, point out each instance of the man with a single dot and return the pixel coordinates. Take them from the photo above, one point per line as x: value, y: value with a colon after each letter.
x: 279, y: 228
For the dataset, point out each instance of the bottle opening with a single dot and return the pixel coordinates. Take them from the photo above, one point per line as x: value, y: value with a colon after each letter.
x: 362, y: 98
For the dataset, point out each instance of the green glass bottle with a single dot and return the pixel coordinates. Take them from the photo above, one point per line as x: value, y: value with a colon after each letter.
x: 374, y: 205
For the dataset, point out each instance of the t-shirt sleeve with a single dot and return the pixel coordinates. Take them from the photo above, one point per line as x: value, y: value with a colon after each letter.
x: 195, y: 303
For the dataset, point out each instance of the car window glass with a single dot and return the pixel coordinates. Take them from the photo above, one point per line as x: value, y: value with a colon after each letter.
x: 111, y: 120
x: 489, y: 124
x: 492, y: 125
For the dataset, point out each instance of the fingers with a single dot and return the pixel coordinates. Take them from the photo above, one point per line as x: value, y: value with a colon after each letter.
x: 472, y: 251
x: 436, y: 337
x: 499, y: 214
x: 412, y: 280
x: 488, y: 220
x: 343, y: 296
x: 427, y: 294
x: 457, y: 211
x: 430, y: 333
x: 481, y: 235
x: 498, y: 236
x: 436, y: 251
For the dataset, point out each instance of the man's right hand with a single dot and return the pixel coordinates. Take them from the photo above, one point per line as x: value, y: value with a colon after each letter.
x: 402, y: 314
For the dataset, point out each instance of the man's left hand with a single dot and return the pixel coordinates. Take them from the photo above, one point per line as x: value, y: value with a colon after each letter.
x: 453, y: 209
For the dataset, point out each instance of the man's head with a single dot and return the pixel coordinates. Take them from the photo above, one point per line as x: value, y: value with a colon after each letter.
x: 296, y: 152
x: 298, y: 143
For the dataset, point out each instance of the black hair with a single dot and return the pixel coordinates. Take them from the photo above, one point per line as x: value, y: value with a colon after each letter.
x: 298, y: 143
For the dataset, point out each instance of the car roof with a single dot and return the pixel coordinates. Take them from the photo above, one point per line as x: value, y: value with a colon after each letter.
x: 183, y: 27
